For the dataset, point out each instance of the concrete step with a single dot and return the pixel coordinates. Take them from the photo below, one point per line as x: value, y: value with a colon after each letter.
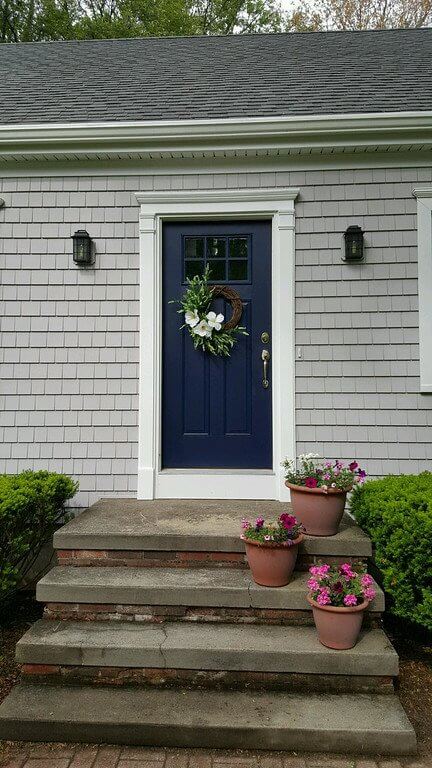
x: 182, y: 645
x: 187, y: 525
x: 214, y: 587
x: 230, y: 720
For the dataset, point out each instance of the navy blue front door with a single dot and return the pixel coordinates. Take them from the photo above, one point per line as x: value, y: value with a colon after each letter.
x: 216, y: 413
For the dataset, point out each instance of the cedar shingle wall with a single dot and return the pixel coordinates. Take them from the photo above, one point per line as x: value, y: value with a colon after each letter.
x: 69, y: 364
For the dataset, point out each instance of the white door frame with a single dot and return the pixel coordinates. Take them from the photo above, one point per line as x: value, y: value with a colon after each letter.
x: 276, y: 205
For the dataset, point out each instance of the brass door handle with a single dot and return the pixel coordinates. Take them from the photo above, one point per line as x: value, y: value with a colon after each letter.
x: 265, y: 357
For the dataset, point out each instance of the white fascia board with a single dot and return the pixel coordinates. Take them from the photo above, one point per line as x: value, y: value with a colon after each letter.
x: 338, y: 130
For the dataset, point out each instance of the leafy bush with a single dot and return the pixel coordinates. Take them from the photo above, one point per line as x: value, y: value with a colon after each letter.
x: 31, y: 508
x: 396, y: 512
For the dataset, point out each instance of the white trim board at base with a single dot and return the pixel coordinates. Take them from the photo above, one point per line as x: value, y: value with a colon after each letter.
x: 277, y: 205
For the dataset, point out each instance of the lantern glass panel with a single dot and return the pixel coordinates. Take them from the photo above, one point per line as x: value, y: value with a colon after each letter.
x: 353, y: 244
x: 82, y: 247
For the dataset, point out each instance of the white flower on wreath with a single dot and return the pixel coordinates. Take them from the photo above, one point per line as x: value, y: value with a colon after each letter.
x: 215, y: 321
x: 192, y: 318
x: 203, y: 329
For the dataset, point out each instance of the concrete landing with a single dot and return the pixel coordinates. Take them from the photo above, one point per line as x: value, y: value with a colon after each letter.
x: 358, y: 723
x: 203, y: 646
x: 222, y: 587
x: 190, y: 525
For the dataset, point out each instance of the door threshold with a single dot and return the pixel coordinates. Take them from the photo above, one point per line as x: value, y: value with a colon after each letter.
x: 220, y: 484
x: 211, y: 471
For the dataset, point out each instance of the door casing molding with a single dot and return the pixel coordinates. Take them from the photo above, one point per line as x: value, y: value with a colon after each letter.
x: 276, y: 205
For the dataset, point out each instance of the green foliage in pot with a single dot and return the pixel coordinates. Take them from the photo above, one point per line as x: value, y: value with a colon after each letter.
x: 31, y: 508
x: 396, y: 512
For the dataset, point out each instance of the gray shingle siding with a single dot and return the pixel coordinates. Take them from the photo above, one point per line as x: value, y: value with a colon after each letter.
x: 216, y: 77
x: 69, y: 359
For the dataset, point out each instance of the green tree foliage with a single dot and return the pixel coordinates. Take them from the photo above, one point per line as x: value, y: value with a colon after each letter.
x: 31, y: 508
x: 396, y: 512
x: 25, y: 20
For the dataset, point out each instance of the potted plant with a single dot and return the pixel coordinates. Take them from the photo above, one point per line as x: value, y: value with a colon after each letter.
x: 271, y: 549
x: 319, y: 490
x: 339, y: 595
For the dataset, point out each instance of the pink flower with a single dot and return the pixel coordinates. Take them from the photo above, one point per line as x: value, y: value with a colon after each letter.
x: 350, y: 600
x: 268, y: 538
x: 245, y: 524
x: 352, y: 466
x: 319, y: 570
x: 259, y: 522
x: 311, y: 482
x: 328, y: 464
x: 346, y: 570
x: 327, y: 476
x: 323, y: 598
x: 313, y: 585
x: 288, y: 521
x: 366, y: 580
x: 369, y: 593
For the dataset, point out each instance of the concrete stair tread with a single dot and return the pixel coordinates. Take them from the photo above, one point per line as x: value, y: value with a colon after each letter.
x: 184, y: 718
x: 182, y: 645
x: 220, y: 587
x: 190, y: 525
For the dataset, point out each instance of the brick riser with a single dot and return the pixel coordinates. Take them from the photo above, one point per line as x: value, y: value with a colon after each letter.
x: 162, y: 559
x: 205, y: 679
x: 161, y: 613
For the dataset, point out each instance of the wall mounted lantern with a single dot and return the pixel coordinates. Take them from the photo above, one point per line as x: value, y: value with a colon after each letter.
x: 353, y: 244
x: 83, y: 252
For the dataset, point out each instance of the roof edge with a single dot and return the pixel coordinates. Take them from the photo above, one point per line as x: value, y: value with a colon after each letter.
x: 303, y: 131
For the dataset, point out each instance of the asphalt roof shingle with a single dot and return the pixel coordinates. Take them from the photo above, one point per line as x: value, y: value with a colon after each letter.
x: 216, y: 77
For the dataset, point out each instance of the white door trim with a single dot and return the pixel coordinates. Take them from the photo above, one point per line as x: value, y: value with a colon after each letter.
x: 424, y: 250
x: 278, y: 206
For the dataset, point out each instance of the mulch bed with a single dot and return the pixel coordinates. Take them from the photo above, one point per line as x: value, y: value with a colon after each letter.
x: 415, y: 678
x: 414, y: 687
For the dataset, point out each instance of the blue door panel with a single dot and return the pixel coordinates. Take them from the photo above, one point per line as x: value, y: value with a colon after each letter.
x: 215, y: 412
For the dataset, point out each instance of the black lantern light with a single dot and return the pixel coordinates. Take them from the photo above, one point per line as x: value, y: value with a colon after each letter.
x: 82, y: 248
x: 353, y: 242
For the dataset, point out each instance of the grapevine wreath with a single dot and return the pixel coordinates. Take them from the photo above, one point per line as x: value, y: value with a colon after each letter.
x: 207, y: 328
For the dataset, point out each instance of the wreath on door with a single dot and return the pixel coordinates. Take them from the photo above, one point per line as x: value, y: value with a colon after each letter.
x: 207, y: 328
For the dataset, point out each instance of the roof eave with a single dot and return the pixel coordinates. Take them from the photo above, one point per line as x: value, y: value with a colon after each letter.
x: 299, y: 133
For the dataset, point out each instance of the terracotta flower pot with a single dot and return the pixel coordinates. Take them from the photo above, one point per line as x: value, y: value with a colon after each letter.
x: 272, y: 564
x: 319, y: 511
x: 338, y: 628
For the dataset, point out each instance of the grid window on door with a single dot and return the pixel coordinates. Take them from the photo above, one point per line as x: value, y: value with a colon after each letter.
x: 228, y: 258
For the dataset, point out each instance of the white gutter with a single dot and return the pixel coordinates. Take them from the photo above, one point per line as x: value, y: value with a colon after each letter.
x: 305, y: 131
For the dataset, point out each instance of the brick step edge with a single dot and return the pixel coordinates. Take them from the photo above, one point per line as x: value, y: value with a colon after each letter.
x: 52, y: 674
x: 357, y: 723
x: 161, y: 613
x: 180, y: 559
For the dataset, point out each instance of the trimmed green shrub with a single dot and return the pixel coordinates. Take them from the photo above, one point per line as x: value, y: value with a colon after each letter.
x: 31, y: 508
x: 396, y: 512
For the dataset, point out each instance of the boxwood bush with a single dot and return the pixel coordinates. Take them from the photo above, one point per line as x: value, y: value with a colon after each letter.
x: 31, y: 508
x: 396, y: 512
